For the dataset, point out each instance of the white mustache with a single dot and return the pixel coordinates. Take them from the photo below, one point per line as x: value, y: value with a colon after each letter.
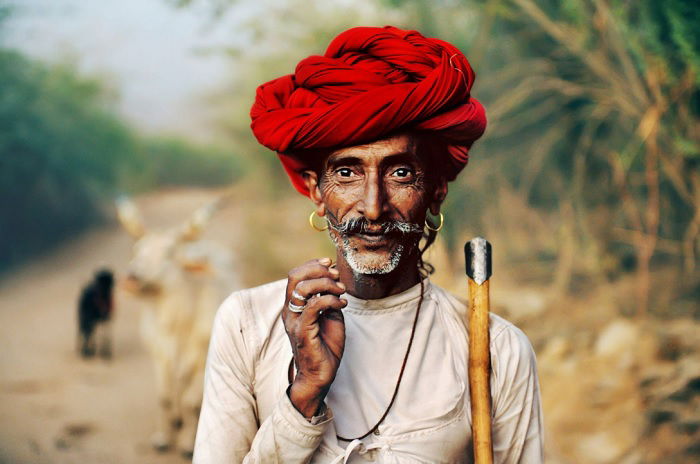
x: 360, y: 225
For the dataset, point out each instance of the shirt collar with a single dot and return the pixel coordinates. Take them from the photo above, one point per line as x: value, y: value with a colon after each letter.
x: 410, y: 295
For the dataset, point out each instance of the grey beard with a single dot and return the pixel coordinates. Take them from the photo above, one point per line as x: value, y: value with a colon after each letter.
x: 367, y: 263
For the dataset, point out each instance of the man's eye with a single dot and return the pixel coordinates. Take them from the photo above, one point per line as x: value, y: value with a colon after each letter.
x: 403, y: 172
x: 344, y: 172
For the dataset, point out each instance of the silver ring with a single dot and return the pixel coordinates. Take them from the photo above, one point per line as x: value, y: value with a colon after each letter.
x: 296, y: 295
x: 295, y: 308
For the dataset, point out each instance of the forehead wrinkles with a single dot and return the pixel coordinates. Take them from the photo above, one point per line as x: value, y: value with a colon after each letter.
x: 390, y: 146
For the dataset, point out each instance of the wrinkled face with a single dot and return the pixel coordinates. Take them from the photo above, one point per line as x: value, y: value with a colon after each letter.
x: 375, y: 198
x: 153, y: 255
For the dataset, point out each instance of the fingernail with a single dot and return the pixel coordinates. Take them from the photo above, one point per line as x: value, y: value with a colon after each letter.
x: 341, y: 285
x: 325, y: 261
x: 344, y: 301
x: 334, y: 272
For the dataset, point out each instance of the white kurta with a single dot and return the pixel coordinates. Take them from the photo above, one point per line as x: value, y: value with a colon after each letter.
x: 247, y: 417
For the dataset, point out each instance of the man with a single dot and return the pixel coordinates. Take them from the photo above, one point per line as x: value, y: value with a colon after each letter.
x: 364, y: 360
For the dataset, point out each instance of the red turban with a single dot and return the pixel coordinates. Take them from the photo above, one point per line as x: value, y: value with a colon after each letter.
x: 371, y: 82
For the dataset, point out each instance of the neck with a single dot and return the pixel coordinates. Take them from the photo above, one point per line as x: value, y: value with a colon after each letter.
x: 375, y: 286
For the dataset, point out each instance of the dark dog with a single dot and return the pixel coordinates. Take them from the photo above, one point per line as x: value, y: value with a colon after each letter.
x: 94, y: 316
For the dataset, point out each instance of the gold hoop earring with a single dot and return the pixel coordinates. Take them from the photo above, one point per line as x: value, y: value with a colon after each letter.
x: 314, y: 226
x: 435, y: 229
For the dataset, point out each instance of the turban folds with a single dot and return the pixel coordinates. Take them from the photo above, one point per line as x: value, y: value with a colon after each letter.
x: 371, y: 82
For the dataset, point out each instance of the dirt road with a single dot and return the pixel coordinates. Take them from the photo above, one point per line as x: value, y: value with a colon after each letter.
x: 55, y: 407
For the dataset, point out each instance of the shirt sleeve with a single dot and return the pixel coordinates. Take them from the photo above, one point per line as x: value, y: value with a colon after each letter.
x: 229, y: 430
x: 517, y: 423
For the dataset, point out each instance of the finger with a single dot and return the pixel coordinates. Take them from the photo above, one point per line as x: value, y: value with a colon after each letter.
x: 331, y: 315
x: 311, y: 270
x: 326, y: 262
x: 292, y: 310
x: 308, y: 288
x: 318, y: 304
x: 316, y: 268
x: 305, y: 289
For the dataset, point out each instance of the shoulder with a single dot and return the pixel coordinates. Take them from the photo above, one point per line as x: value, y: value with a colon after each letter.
x: 256, y: 297
x: 258, y: 303
x: 507, y: 340
x: 448, y: 301
x: 510, y: 341
x: 248, y: 313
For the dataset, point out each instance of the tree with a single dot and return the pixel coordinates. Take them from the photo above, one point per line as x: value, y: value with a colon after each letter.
x: 61, y: 150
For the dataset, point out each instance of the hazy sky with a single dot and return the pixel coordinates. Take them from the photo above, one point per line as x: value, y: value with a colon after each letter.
x: 159, y: 58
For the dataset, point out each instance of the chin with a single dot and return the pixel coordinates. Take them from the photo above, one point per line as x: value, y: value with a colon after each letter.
x: 372, y: 262
x: 372, y: 258
x: 367, y: 259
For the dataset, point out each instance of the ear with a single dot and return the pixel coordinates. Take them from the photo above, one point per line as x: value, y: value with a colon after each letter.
x: 129, y: 217
x: 312, y: 184
x: 439, y: 195
x: 196, y: 267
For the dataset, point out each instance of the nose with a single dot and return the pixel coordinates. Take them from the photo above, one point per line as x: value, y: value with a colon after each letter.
x: 373, y: 202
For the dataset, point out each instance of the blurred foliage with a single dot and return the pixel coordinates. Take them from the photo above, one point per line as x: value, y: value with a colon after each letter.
x: 168, y: 161
x: 64, y: 154
x: 60, y: 147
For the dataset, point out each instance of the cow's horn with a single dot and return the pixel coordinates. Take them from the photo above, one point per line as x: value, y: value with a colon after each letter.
x: 129, y: 217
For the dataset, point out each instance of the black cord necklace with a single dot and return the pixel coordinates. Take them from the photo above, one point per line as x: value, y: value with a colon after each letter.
x: 398, y: 382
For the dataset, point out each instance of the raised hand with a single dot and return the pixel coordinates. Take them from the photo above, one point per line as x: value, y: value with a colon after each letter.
x: 317, y: 333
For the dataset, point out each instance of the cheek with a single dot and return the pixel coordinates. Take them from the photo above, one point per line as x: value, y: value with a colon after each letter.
x: 339, y: 198
x: 410, y: 202
x: 327, y: 188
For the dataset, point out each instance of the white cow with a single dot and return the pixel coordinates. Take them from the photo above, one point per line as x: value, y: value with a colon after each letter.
x: 182, y: 280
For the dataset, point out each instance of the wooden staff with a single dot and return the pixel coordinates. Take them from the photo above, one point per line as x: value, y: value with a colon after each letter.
x: 478, y: 260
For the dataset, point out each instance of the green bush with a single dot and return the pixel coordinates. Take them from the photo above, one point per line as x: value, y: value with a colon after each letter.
x: 173, y: 162
x: 64, y: 154
x: 61, y: 149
